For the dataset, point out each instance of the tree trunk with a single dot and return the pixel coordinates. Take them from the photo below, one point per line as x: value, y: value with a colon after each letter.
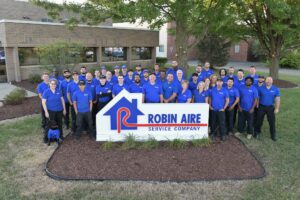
x: 274, y: 66
x: 181, y: 43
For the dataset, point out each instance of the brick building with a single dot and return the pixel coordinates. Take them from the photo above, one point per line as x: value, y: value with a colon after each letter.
x: 23, y: 27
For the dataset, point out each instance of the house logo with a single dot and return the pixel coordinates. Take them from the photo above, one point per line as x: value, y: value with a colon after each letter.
x: 127, y: 114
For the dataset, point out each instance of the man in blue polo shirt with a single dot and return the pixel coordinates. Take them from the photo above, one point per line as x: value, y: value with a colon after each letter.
x: 207, y: 71
x: 124, y: 70
x: 156, y: 71
x: 136, y: 87
x: 82, y: 73
x: 138, y: 70
x: 230, y: 74
x: 169, y: 89
x: 152, y: 92
x: 247, y: 104
x: 198, y: 72
x: 109, y: 79
x: 218, y: 102
x: 193, y: 83
x: 145, y: 78
x: 119, y: 86
x: 40, y: 89
x: 252, y: 73
x: 72, y: 88
x: 55, y: 75
x: 240, y: 79
x: 91, y: 86
x: 83, y: 104
x: 64, y: 89
x: 269, y: 102
x: 173, y: 70
x: 234, y: 98
x: 116, y: 74
x: 103, y: 93
x: 103, y: 70
x: 129, y: 79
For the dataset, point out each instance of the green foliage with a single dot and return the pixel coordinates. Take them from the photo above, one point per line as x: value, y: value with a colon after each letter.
x: 177, y: 144
x: 161, y: 61
x: 151, y: 143
x: 15, y: 97
x: 34, y: 78
x: 256, y: 52
x: 108, y: 145
x: 130, y: 142
x: 204, y: 142
x: 291, y: 60
x: 214, y: 49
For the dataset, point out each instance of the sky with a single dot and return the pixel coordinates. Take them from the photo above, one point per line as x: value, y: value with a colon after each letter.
x: 61, y: 1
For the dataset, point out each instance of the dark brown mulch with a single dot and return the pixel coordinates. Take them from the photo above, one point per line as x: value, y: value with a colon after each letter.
x: 30, y: 105
x: 85, y: 159
x: 25, y: 84
x: 284, y: 84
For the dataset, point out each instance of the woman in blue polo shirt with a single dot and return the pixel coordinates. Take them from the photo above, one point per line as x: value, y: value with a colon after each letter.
x: 185, y: 96
x: 200, y: 95
x: 54, y: 106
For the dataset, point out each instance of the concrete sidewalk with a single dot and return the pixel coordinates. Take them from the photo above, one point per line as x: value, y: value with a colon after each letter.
x: 6, y: 88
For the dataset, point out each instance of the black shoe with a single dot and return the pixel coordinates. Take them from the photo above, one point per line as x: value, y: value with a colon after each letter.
x: 274, y: 139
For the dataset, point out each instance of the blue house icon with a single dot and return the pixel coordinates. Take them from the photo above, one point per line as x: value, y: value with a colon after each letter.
x: 124, y: 103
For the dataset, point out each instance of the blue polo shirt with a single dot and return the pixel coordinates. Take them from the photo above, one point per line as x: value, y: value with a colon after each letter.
x: 174, y: 72
x: 255, y: 78
x: 144, y: 81
x: 129, y: 81
x: 208, y: 73
x: 42, y: 87
x: 152, y: 92
x: 104, y: 89
x: 114, y: 79
x: 157, y: 74
x: 92, y: 88
x: 96, y: 81
x: 111, y: 83
x: 228, y: 76
x: 53, y: 100
x: 118, y: 88
x: 81, y: 77
x: 267, y: 96
x: 183, y: 97
x: 247, y: 97
x: 135, y: 88
x: 200, y: 97
x: 178, y: 85
x: 233, y: 94
x: 64, y: 88
x: 140, y: 74
x: 83, y: 99
x: 58, y: 78
x: 168, y: 89
x: 72, y: 87
x: 218, y: 98
x: 193, y: 86
x: 238, y: 83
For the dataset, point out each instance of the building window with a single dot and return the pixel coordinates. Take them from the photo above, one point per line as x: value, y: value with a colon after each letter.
x: 28, y: 56
x: 2, y: 63
x: 89, y: 55
x: 46, y: 20
x: 161, y: 48
x: 237, y: 48
x: 113, y: 54
x: 141, y: 53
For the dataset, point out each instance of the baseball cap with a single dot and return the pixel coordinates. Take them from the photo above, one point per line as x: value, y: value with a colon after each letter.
x: 145, y: 71
x: 102, y: 76
x: 116, y: 67
x: 66, y: 70
x: 103, y: 67
x: 219, y: 79
x: 261, y: 76
x: 75, y: 72
x: 124, y: 66
x: 81, y: 82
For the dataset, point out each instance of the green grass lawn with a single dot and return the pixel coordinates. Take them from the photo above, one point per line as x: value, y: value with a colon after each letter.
x: 22, y: 159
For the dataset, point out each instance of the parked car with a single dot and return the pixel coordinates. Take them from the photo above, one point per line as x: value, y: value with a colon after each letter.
x: 2, y: 56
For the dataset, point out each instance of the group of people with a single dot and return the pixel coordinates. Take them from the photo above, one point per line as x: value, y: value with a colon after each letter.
x: 83, y: 94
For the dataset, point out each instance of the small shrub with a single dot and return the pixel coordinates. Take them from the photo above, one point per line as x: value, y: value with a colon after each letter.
x: 178, y: 144
x: 34, y: 78
x: 108, y: 145
x: 15, y: 97
x: 151, y: 143
x: 130, y: 142
x: 161, y: 61
x: 204, y: 142
x: 291, y: 60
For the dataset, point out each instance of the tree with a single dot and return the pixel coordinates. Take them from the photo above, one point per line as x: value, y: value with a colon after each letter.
x: 215, y: 49
x: 275, y: 23
x: 191, y: 17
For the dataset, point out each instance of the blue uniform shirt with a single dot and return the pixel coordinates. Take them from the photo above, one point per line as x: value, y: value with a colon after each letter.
x: 129, y: 81
x: 233, y: 94
x: 53, y: 100
x: 81, y: 77
x: 92, y: 88
x: 193, y: 86
x: 114, y: 79
x: 200, y: 97
x: 247, y: 97
x: 255, y: 78
x: 96, y: 81
x: 118, y: 88
x: 111, y: 83
x: 72, y: 87
x: 53, y: 133
x: 239, y: 83
x: 140, y: 74
x: 83, y: 99
x: 64, y: 89
x: 174, y: 72
x: 135, y: 88
x: 152, y: 92
x: 157, y: 74
x: 178, y: 85
x: 104, y: 89
x: 267, y: 96
x: 218, y: 98
x: 183, y: 97
x: 42, y: 87
x: 168, y: 89
x: 207, y: 73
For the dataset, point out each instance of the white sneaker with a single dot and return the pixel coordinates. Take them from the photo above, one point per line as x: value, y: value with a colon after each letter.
x: 249, y: 136
x: 237, y: 133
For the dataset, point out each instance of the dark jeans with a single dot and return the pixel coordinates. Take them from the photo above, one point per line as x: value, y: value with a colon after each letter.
x: 81, y: 120
x: 262, y: 110
x: 244, y: 117
x: 67, y: 118
x: 218, y: 119
x: 57, y: 117
x: 229, y: 120
x: 101, y: 105
x: 94, y: 113
x: 44, y: 120
x: 73, y: 116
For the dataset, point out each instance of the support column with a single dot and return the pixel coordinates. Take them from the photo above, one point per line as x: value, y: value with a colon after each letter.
x: 153, y: 56
x: 128, y: 57
x: 12, y: 64
x: 99, y: 55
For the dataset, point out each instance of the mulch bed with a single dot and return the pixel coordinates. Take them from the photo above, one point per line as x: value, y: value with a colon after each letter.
x: 26, y: 85
x: 284, y: 84
x: 85, y: 160
x: 30, y: 105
